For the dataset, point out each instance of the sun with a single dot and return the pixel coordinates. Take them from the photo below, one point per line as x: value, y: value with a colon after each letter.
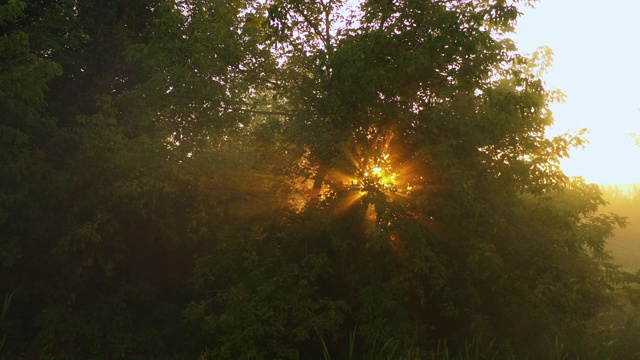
x: 378, y: 176
x: 373, y: 170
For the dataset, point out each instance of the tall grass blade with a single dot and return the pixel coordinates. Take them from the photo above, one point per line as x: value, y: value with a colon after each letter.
x: 327, y: 356
x: 352, y: 342
x: 5, y: 308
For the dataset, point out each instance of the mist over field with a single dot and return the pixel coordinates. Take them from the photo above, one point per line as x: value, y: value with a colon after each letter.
x: 624, y: 245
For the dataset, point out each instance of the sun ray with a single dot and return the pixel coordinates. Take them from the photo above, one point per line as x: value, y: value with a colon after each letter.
x: 349, y: 200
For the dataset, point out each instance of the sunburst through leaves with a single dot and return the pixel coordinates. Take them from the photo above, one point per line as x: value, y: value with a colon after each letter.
x: 376, y: 175
x: 372, y: 171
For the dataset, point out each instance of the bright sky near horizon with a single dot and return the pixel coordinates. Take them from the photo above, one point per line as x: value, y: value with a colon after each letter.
x: 596, y: 45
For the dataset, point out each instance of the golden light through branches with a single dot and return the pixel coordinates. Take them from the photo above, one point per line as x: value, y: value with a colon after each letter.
x: 372, y: 168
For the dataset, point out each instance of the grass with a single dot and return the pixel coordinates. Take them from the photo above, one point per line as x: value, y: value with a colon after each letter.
x: 472, y: 350
x: 5, y: 309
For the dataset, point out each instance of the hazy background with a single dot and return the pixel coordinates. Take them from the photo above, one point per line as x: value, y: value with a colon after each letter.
x: 596, y: 50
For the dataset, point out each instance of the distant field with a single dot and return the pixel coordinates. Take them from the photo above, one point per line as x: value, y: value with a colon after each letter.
x: 624, y: 246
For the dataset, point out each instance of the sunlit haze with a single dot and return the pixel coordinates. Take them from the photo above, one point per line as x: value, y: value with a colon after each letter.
x: 595, y: 64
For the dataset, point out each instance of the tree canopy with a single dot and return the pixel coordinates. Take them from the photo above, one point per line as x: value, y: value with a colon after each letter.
x: 285, y: 179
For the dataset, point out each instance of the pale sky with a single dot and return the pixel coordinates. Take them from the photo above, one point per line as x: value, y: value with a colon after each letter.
x: 596, y: 45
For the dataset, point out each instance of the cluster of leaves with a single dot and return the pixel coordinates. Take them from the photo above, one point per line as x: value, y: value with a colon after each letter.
x: 163, y: 162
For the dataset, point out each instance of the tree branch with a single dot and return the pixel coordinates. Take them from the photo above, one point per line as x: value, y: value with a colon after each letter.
x: 259, y: 112
x: 313, y: 26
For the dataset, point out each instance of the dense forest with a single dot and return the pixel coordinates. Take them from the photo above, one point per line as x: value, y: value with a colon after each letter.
x: 288, y: 179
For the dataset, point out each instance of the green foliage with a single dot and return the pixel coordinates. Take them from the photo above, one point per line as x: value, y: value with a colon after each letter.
x: 617, y: 325
x: 23, y: 127
x: 172, y: 185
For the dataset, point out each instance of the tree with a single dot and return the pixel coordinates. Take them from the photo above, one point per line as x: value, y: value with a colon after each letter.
x: 485, y: 234
x: 287, y: 174
x: 24, y: 127
x: 101, y: 208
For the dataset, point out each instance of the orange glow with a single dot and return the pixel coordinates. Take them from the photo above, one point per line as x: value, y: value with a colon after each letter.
x: 375, y: 174
x: 372, y: 167
x: 349, y: 201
